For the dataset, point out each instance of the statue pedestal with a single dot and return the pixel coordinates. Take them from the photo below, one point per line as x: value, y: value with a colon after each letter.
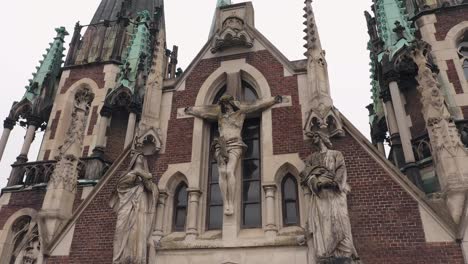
x: 231, y: 225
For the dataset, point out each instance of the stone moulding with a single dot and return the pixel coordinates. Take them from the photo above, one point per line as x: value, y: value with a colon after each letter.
x: 232, y: 34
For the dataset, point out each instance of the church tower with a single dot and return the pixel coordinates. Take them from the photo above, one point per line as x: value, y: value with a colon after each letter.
x: 241, y: 158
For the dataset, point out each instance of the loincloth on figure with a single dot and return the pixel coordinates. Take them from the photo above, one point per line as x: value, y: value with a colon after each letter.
x: 222, y: 148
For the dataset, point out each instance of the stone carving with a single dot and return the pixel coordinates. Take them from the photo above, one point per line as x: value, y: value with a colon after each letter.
x: 229, y: 147
x: 134, y: 201
x: 66, y: 170
x: 27, y: 244
x: 449, y: 153
x: 328, y: 229
x: 232, y: 34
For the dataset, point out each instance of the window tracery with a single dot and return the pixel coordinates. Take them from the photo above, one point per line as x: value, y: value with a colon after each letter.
x: 463, y: 52
x: 180, y: 207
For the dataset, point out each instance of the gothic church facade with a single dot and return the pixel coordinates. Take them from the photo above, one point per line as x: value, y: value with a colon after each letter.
x: 241, y: 158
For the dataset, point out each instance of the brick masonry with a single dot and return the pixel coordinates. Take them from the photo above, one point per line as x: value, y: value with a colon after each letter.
x: 54, y: 124
x: 448, y: 18
x: 453, y: 77
x: 94, y: 72
x: 386, y: 224
x: 93, y: 120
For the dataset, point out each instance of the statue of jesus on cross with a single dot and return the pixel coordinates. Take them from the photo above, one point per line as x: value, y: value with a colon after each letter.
x: 229, y: 147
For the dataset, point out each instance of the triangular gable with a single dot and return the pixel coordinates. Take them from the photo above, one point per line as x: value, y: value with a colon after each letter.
x: 263, y: 41
x: 434, y: 210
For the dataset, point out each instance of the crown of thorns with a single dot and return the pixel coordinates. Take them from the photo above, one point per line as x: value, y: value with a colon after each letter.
x: 226, y: 98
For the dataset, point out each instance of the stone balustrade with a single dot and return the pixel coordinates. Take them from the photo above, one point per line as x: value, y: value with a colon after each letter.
x: 39, y: 172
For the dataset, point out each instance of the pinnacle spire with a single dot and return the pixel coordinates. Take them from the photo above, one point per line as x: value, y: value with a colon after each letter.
x: 322, y: 114
x: 49, y: 67
x: 312, y: 36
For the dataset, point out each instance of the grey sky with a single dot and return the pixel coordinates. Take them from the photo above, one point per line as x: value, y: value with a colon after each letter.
x: 27, y: 27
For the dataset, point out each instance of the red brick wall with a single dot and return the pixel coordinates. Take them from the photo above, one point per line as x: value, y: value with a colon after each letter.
x: 453, y: 76
x: 93, y: 120
x: 116, y: 135
x: 385, y: 220
x: 94, y: 231
x: 448, y: 18
x: 94, y: 72
x: 54, y: 124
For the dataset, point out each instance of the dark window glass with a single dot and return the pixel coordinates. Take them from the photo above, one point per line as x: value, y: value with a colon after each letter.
x: 290, y: 201
x: 465, y: 68
x: 180, y: 207
x: 251, y: 184
x: 248, y: 93
x: 220, y: 94
x: 215, y: 200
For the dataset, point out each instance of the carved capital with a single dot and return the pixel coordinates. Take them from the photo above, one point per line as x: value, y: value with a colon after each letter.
x: 385, y: 95
x: 35, y: 121
x: 106, y: 111
x: 9, y: 123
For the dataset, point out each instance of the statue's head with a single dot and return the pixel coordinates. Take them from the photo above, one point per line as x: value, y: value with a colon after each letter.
x: 138, y: 161
x: 227, y: 102
x: 316, y: 137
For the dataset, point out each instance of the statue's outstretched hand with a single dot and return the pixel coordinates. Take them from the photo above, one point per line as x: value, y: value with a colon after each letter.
x: 278, y: 99
x: 188, y: 110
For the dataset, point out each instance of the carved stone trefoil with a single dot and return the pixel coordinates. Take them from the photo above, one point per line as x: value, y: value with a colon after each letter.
x: 232, y: 34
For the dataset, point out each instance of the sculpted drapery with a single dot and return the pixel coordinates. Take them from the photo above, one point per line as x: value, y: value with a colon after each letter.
x: 134, y: 201
x: 229, y: 147
x: 328, y: 226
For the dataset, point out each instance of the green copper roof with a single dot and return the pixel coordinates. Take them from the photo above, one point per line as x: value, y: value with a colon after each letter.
x: 223, y: 3
x: 48, y: 67
x: 393, y: 25
x: 138, y: 54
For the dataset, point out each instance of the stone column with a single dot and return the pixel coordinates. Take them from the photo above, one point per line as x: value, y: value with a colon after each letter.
x: 307, y: 194
x: 398, y: 156
x: 130, y: 129
x: 33, y: 124
x: 411, y: 169
x: 8, y: 125
x: 106, y: 114
x: 192, y: 214
x: 158, y: 231
x: 270, y: 195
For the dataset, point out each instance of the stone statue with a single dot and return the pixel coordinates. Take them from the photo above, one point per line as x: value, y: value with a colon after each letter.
x: 328, y: 227
x: 134, y: 201
x: 229, y: 147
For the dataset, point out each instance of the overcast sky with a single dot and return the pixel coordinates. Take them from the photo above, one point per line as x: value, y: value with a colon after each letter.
x: 27, y: 26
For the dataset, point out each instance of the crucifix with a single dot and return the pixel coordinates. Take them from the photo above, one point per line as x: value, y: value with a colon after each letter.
x: 229, y: 147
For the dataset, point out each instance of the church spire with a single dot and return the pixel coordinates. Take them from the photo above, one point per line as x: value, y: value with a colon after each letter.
x: 322, y: 114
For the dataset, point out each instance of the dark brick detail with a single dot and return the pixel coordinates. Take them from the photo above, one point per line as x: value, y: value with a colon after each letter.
x: 85, y: 151
x: 93, y: 120
x: 47, y: 154
x: 116, y: 135
x: 453, y: 76
x: 449, y: 18
x: 54, y: 124
x: 465, y: 111
x: 94, y: 72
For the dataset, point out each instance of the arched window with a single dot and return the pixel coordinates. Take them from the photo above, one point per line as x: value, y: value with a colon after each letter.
x: 290, y: 201
x: 251, y: 186
x: 463, y: 52
x: 26, y: 244
x: 180, y: 207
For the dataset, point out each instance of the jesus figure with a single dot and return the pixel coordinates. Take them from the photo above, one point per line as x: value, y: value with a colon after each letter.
x: 228, y: 147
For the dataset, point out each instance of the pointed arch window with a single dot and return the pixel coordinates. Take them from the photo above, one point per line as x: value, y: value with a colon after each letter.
x: 290, y: 201
x: 180, y: 207
x: 250, y: 184
x: 463, y: 52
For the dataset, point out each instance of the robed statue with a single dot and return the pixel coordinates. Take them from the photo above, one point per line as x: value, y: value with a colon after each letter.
x: 328, y: 227
x: 134, y: 202
x: 228, y: 148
